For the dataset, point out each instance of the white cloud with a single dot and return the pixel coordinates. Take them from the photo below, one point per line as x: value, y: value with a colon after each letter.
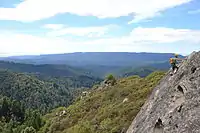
x: 165, y: 35
x: 31, y: 10
x: 53, y: 26
x: 27, y: 44
x: 158, y: 39
x: 97, y: 31
x: 194, y: 11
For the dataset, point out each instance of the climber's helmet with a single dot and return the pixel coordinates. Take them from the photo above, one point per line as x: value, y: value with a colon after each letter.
x: 176, y: 55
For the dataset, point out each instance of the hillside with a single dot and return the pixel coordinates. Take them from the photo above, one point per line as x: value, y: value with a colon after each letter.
x: 46, y: 69
x: 32, y: 92
x: 173, y: 106
x: 103, y: 110
x: 145, y: 70
x: 70, y: 77
x: 142, y: 72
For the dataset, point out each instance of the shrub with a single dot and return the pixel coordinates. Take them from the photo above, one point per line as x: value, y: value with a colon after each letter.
x: 110, y: 79
x: 29, y: 130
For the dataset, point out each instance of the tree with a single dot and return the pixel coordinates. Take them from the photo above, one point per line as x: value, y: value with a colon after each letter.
x: 5, y: 109
x: 34, y: 119
x: 18, y: 111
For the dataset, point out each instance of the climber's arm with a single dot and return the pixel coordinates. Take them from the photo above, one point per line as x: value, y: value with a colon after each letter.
x: 180, y: 59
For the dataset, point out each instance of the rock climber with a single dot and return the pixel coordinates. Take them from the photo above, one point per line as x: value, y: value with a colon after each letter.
x: 173, y: 62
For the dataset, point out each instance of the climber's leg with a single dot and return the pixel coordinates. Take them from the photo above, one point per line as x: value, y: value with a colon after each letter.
x: 174, y: 69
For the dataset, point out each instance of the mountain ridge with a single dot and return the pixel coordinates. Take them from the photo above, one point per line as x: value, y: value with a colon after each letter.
x: 47, y: 69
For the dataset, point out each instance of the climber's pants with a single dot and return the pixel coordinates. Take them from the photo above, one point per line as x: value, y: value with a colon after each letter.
x: 174, y: 67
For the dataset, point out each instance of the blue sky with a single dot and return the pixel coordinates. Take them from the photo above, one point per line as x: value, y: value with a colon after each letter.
x: 32, y: 27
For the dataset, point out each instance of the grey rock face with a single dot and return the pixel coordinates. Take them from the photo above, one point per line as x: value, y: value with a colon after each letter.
x: 174, y: 105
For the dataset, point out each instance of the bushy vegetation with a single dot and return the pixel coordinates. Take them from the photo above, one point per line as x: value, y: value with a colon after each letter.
x: 143, y: 71
x: 14, y: 118
x: 71, y: 82
x: 110, y: 79
x: 103, y: 110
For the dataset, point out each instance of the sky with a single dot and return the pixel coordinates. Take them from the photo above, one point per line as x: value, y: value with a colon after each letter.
x: 33, y: 27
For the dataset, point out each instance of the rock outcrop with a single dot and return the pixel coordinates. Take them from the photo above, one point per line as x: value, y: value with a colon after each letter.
x: 174, y: 105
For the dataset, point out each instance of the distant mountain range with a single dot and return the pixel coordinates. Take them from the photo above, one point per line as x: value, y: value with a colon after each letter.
x: 94, y: 58
x: 95, y: 63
